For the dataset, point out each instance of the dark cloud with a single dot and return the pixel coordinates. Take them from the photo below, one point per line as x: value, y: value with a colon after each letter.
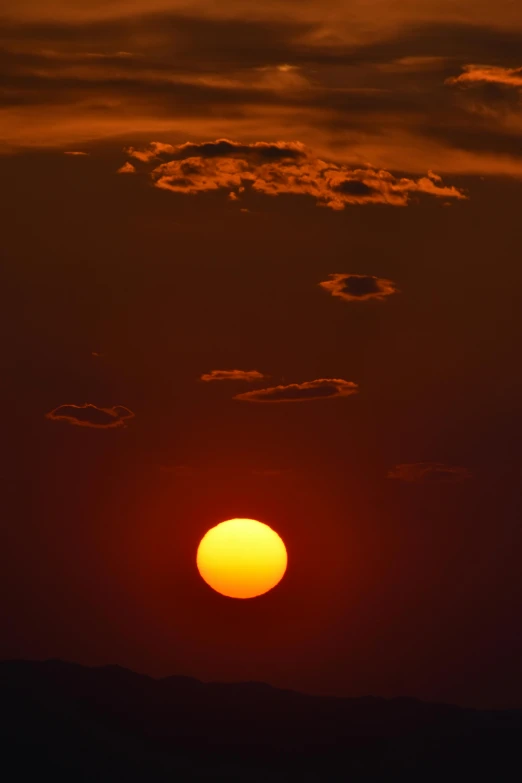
x: 464, y: 41
x: 321, y: 389
x: 222, y: 148
x: 89, y: 415
x: 482, y: 137
x: 280, y: 168
x: 354, y: 187
x: 359, y: 288
x: 429, y: 472
x: 168, y: 38
x: 233, y: 375
x: 177, y: 42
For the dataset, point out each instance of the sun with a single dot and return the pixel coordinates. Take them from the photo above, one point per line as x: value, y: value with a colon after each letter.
x: 242, y: 558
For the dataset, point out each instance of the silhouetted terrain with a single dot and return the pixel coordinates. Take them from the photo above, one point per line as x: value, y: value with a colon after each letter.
x: 65, y: 722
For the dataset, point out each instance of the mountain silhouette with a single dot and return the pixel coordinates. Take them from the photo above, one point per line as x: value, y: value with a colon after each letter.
x: 67, y: 722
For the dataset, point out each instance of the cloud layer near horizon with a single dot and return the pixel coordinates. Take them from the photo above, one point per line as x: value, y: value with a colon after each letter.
x: 320, y: 389
x: 92, y: 416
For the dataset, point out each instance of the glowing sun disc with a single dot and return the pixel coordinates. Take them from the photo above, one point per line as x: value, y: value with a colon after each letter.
x: 241, y: 558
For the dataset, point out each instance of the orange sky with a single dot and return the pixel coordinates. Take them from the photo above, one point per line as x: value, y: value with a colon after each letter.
x: 214, y: 212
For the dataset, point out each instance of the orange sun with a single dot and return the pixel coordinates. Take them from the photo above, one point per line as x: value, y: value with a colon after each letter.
x: 241, y: 558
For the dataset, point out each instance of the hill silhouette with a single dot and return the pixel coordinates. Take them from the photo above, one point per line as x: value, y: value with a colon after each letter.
x: 66, y: 722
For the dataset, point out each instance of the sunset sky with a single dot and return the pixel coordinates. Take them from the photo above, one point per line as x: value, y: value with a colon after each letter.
x: 263, y: 260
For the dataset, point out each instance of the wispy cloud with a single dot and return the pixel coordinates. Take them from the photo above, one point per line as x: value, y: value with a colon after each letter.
x: 359, y: 288
x: 321, y: 389
x: 234, y: 375
x: 487, y: 74
x: 429, y: 473
x: 76, y: 153
x: 89, y: 415
x: 370, y: 94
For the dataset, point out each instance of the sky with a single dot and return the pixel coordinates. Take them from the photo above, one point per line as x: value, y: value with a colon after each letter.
x: 263, y: 261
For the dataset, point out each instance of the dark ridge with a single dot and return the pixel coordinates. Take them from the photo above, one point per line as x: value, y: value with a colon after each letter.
x: 66, y: 722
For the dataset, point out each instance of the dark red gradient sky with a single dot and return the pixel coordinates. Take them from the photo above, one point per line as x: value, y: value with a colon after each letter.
x: 355, y: 151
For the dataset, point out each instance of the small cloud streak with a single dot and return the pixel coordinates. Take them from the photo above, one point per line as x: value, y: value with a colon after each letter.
x: 359, y: 288
x: 429, y: 473
x: 280, y: 168
x: 321, y: 389
x: 234, y: 375
x: 76, y: 153
x: 127, y: 168
x: 92, y: 416
x: 492, y: 74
